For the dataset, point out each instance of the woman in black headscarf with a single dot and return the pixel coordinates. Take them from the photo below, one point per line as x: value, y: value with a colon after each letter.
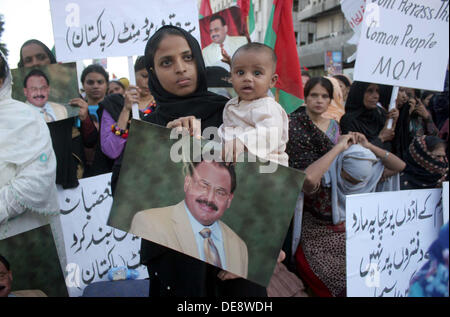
x: 177, y: 99
x: 177, y: 80
x: 364, y: 113
x: 426, y: 164
x: 414, y: 120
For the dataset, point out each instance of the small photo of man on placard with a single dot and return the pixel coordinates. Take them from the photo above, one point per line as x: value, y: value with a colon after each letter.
x: 222, y: 32
x: 47, y: 90
x: 36, y: 88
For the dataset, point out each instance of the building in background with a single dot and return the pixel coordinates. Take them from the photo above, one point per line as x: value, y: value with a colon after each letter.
x: 322, y: 27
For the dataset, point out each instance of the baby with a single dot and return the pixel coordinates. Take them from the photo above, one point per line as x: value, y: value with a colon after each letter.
x: 253, y: 119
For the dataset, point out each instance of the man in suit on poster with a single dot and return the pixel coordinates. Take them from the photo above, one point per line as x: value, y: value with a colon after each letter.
x: 193, y: 226
x: 218, y: 30
x: 36, y: 88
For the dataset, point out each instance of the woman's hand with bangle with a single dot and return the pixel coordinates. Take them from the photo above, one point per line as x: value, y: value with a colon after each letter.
x: 131, y: 97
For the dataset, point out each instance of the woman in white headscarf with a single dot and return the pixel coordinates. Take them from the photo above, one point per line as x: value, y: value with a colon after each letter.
x: 27, y: 160
x: 352, y: 166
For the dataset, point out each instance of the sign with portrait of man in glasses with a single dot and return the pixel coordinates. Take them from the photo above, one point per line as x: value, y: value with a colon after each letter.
x: 232, y: 216
x: 193, y: 226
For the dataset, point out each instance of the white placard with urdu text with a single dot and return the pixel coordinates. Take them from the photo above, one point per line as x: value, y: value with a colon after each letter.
x: 354, y: 13
x: 404, y: 43
x: 388, y: 237
x: 92, y: 247
x: 86, y: 29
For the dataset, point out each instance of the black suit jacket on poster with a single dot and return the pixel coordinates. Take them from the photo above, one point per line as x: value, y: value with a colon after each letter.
x: 172, y: 273
x: 66, y: 164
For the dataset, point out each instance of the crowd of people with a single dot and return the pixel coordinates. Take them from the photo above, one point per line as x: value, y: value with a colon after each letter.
x: 340, y: 138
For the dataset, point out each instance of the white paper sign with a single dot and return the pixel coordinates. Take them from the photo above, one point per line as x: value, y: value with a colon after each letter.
x: 388, y: 236
x: 91, y: 247
x: 354, y: 13
x: 404, y: 43
x: 85, y: 29
x: 445, y: 200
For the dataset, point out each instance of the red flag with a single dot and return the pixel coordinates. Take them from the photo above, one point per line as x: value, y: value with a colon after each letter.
x: 205, y: 8
x: 288, y: 66
x: 245, y: 7
x: 281, y: 37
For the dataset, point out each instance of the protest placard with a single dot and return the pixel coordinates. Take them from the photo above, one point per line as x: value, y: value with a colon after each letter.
x: 354, y: 13
x: 34, y: 263
x: 222, y: 30
x: 153, y: 186
x: 404, y: 43
x: 48, y: 88
x: 388, y: 236
x: 104, y: 28
x: 91, y: 247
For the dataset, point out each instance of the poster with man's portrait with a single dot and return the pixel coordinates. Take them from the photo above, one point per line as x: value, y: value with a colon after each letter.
x: 222, y: 30
x: 29, y: 265
x: 47, y: 89
x: 231, y: 216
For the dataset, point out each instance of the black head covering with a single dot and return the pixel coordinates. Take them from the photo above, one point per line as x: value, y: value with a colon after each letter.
x: 422, y: 169
x: 403, y: 138
x: 46, y: 49
x: 218, y: 77
x: 358, y: 118
x: 202, y: 104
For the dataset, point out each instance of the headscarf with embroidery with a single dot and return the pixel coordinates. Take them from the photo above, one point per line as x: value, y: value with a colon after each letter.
x: 423, y: 169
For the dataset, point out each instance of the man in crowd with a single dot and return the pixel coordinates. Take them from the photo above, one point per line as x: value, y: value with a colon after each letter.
x: 5, y: 277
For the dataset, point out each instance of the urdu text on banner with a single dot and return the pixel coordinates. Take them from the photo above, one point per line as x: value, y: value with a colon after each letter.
x: 86, y: 29
x: 91, y: 247
x: 388, y: 237
x: 404, y: 43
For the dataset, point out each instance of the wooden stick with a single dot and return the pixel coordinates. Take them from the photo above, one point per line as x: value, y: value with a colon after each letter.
x: 392, y: 105
x: 135, y: 107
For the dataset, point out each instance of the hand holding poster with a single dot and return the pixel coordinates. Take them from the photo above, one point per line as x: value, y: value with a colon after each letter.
x: 184, y: 197
x: 388, y: 236
x: 97, y: 29
x: 404, y: 43
x: 47, y: 90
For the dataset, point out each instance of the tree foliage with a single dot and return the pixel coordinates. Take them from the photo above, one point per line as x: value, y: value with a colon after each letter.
x: 2, y: 45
